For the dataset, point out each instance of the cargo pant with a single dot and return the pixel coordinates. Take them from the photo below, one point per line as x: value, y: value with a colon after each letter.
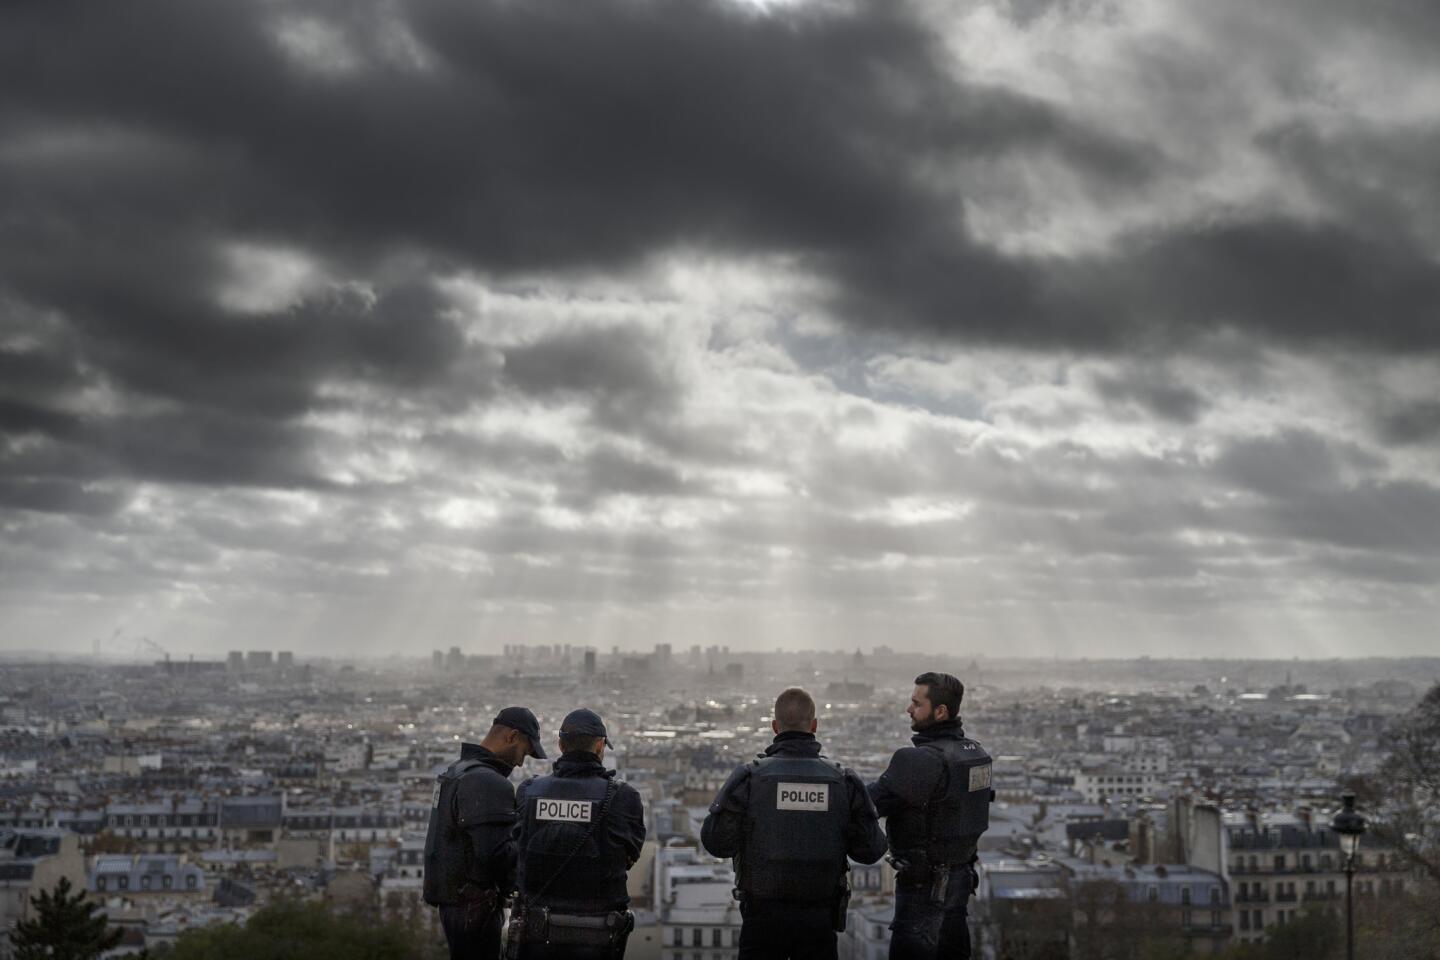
x: 473, y: 932
x: 785, y: 931
x: 924, y: 929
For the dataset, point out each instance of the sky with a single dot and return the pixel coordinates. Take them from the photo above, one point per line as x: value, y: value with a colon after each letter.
x: 993, y: 327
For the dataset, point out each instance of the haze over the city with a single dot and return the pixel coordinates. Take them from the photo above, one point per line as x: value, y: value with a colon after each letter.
x: 1010, y: 327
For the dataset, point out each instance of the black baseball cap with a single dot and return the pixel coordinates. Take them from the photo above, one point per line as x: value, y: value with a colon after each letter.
x: 585, y: 723
x: 520, y: 718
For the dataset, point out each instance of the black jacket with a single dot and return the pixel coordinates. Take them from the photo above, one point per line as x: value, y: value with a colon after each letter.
x: 724, y: 827
x: 914, y: 773
x: 616, y: 845
x: 485, y: 810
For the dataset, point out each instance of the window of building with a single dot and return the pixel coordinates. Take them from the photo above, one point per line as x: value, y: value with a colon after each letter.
x: 1152, y: 893
x: 715, y: 937
x: 145, y: 882
x: 1214, y: 894
x: 167, y: 882
x: 190, y: 881
x: 734, y: 936
x: 679, y: 937
x: 1280, y: 861
x: 697, y: 938
x: 100, y: 883
x: 1185, y: 894
x: 123, y: 883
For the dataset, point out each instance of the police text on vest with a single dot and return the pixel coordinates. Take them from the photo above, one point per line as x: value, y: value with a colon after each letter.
x: 803, y: 796
x: 573, y: 811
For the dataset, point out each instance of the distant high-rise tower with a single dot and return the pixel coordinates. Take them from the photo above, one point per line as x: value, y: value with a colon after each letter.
x: 589, y: 663
x: 285, y: 660
x: 235, y: 661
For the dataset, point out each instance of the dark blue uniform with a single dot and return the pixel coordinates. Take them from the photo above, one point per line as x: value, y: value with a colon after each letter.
x: 469, y: 851
x: 790, y: 819
x: 935, y: 796
x: 571, y: 861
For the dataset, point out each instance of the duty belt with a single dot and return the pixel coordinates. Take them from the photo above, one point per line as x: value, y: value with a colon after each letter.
x: 541, y: 925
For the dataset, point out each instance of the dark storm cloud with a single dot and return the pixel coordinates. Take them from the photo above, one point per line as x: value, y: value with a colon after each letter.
x: 1313, y: 490
x: 544, y: 136
x: 231, y: 388
x: 608, y: 364
x: 1411, y: 423
x: 1154, y: 392
x: 58, y: 496
x: 541, y: 136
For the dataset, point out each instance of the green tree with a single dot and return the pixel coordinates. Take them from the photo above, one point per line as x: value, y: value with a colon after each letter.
x: 66, y: 926
x: 1109, y: 925
x: 1402, y: 800
x: 1314, y: 935
x: 288, y: 929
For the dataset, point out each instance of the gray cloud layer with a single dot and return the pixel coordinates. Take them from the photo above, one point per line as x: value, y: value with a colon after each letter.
x: 633, y: 304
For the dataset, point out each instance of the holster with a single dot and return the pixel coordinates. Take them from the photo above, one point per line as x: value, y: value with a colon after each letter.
x: 925, y: 873
x: 478, y: 901
x: 939, y: 883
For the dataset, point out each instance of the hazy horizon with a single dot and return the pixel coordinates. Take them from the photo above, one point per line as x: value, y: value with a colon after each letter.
x: 1053, y: 328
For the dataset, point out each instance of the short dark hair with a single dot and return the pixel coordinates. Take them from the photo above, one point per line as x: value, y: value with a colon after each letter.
x: 794, y: 709
x: 942, y: 689
x: 578, y: 741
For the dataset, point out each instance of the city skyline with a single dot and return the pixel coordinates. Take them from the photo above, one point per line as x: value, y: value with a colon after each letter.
x: 1057, y: 329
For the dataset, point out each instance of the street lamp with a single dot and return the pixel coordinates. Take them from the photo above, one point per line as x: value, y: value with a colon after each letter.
x: 1349, y: 826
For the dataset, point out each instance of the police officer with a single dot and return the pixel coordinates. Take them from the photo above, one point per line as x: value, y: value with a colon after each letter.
x: 580, y: 830
x: 936, y: 796
x: 469, y: 851
x: 790, y: 819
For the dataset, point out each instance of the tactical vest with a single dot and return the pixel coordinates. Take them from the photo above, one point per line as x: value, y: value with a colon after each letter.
x: 558, y: 813
x: 447, y: 848
x: 948, y: 828
x: 794, y: 847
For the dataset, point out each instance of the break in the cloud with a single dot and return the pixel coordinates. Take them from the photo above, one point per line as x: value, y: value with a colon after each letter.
x: 1069, y: 328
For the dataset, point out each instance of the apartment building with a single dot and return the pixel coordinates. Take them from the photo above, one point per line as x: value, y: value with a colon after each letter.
x: 1282, y: 864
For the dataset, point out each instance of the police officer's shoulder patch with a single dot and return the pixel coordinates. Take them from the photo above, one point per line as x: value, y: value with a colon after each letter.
x: 980, y: 777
